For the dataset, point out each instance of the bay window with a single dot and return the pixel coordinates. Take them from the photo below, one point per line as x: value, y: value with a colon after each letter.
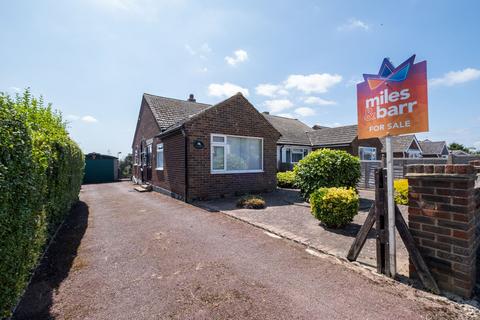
x: 235, y: 154
x: 159, y: 156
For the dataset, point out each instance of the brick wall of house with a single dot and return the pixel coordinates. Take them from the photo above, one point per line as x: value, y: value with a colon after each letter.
x: 234, y: 116
x: 146, y: 129
x: 444, y: 219
x: 172, y: 178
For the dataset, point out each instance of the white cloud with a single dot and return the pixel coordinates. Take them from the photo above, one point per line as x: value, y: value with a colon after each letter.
x: 89, y: 119
x: 456, y: 77
x: 270, y: 90
x: 353, y: 24
x: 318, y: 101
x: 305, y: 111
x: 317, y: 82
x: 278, y: 105
x: 286, y: 115
x: 226, y: 89
x: 202, y: 51
x: 239, y: 55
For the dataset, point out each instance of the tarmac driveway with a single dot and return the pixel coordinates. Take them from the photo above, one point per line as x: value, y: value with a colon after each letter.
x: 128, y: 255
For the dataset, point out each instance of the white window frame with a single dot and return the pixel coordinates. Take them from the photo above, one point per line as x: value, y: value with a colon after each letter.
x: 225, y: 152
x: 364, y: 147
x: 160, y: 149
x: 297, y: 152
x: 135, y: 157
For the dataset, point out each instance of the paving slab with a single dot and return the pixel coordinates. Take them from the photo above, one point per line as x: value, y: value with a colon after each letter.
x: 287, y: 215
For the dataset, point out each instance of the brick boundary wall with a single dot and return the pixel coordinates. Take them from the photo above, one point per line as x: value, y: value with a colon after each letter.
x: 443, y: 214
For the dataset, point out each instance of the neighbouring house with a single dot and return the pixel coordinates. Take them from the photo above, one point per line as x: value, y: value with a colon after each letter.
x: 459, y: 153
x: 192, y: 150
x: 434, y: 149
x: 294, y: 143
x: 406, y: 146
x: 100, y: 168
x: 298, y: 139
x: 346, y: 138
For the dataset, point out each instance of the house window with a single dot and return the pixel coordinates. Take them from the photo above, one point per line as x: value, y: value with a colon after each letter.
x: 297, y: 155
x: 367, y: 153
x: 159, y: 156
x: 148, y: 156
x: 234, y: 154
x: 135, y: 158
x: 414, y: 154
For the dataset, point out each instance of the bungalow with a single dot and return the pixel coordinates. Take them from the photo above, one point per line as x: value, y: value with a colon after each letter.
x: 406, y: 146
x: 192, y: 150
x: 434, y: 149
x: 298, y: 139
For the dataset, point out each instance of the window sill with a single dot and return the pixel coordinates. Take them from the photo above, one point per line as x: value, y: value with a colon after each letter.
x: 159, y: 169
x: 236, y: 171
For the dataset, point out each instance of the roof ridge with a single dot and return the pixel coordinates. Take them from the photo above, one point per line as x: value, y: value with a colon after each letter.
x: 176, y: 99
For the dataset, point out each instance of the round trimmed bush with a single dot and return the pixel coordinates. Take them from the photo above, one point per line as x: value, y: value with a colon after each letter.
x: 334, y: 207
x: 326, y: 168
x: 286, y: 179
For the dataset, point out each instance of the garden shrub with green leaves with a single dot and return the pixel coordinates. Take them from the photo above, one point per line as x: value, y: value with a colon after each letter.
x: 286, y: 179
x: 41, y: 171
x: 334, y: 207
x: 326, y: 168
x: 401, y: 191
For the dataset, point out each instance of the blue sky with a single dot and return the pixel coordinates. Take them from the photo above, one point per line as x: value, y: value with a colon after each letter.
x: 93, y: 59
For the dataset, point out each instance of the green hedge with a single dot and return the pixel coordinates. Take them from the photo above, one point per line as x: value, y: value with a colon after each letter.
x: 286, y: 179
x: 326, y: 168
x: 41, y: 171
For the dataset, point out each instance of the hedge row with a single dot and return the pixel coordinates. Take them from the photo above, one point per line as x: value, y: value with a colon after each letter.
x: 41, y: 171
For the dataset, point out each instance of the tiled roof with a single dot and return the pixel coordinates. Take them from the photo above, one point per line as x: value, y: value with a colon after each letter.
x: 432, y: 147
x: 169, y: 112
x: 333, y: 136
x: 293, y: 131
x: 399, y: 143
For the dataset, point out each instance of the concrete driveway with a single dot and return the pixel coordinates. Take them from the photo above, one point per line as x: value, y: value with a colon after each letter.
x: 128, y: 255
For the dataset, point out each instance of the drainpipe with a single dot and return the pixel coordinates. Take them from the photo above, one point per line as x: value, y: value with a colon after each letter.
x: 281, y: 149
x: 184, y: 134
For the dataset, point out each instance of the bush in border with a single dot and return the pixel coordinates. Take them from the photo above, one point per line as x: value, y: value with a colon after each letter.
x: 286, y: 179
x: 334, y: 207
x: 326, y: 168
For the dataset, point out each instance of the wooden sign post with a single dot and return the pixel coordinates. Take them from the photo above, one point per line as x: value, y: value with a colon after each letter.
x: 390, y: 103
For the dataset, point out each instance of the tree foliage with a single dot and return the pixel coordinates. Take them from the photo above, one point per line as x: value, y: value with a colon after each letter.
x: 41, y: 171
x: 458, y: 146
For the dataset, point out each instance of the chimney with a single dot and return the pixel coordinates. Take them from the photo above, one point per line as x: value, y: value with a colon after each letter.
x: 266, y: 112
x: 191, y: 98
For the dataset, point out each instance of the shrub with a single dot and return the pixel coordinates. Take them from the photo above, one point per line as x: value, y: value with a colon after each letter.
x: 251, y: 202
x: 335, y: 207
x: 41, y: 170
x: 401, y: 191
x: 326, y: 168
x: 286, y: 179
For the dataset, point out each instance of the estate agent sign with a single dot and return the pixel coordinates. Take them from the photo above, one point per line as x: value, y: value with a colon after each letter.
x: 394, y: 101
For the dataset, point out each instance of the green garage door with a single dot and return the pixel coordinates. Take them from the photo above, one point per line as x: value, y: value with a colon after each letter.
x: 99, y: 170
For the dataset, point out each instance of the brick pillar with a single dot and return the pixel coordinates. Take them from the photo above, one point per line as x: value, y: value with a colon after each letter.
x: 443, y: 218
